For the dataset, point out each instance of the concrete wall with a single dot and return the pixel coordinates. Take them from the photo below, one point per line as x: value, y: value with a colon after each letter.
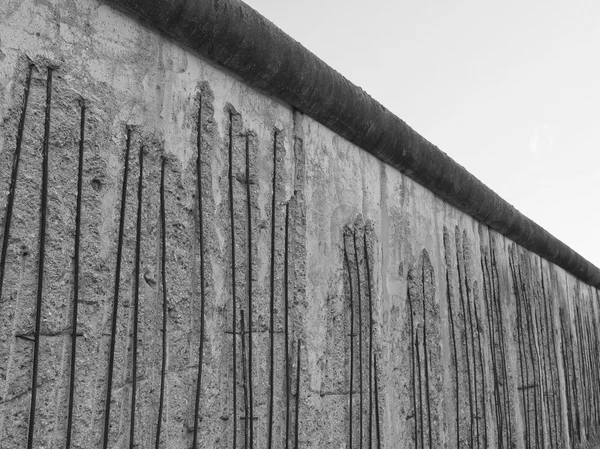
x: 255, y: 266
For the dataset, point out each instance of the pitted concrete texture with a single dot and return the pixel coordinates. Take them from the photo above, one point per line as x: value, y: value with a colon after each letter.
x: 243, y: 276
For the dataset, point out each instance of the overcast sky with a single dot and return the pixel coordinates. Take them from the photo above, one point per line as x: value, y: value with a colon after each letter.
x: 510, y: 90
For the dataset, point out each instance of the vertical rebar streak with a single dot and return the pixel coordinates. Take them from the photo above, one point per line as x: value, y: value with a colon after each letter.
x: 113, y: 331
x: 244, y: 377
x: 596, y: 365
x: 596, y: 355
x: 499, y: 314
x: 249, y: 214
x: 464, y: 310
x: 368, y: 267
x: 163, y: 270
x: 287, y: 338
x: 528, y: 314
x: 592, y: 373
x: 550, y: 347
x: 202, y: 286
x: 584, y: 350
x: 590, y: 383
x: 297, y: 410
x: 421, y: 430
x: 360, y: 353
x: 543, y: 373
x: 412, y: 359
x: 469, y: 301
x: 524, y: 375
x: 464, y: 316
x: 453, y: 333
x: 488, y: 299
x: 576, y: 392
x: 582, y: 368
x: 272, y: 295
x: 484, y: 413
x: 136, y: 300
x: 351, y: 341
x: 575, y: 389
x: 575, y: 397
x: 42, y: 254
x: 567, y: 389
x: 426, y: 357
x: 530, y: 336
x: 76, y: 276
x: 376, y: 403
x: 233, y: 289
x: 13, y: 177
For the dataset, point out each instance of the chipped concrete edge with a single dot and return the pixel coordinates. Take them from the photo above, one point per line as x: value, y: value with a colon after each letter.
x: 235, y: 36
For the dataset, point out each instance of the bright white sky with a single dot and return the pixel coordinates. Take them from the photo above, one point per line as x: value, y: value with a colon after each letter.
x: 510, y: 90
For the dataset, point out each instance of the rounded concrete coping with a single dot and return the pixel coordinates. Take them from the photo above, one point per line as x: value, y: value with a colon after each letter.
x: 237, y: 37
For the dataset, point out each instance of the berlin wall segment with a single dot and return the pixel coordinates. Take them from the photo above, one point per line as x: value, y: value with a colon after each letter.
x: 190, y: 262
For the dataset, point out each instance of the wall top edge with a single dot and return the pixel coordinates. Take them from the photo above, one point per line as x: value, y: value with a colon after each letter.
x: 234, y: 35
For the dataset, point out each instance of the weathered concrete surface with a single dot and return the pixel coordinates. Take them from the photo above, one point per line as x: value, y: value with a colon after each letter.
x: 236, y: 36
x: 470, y: 339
